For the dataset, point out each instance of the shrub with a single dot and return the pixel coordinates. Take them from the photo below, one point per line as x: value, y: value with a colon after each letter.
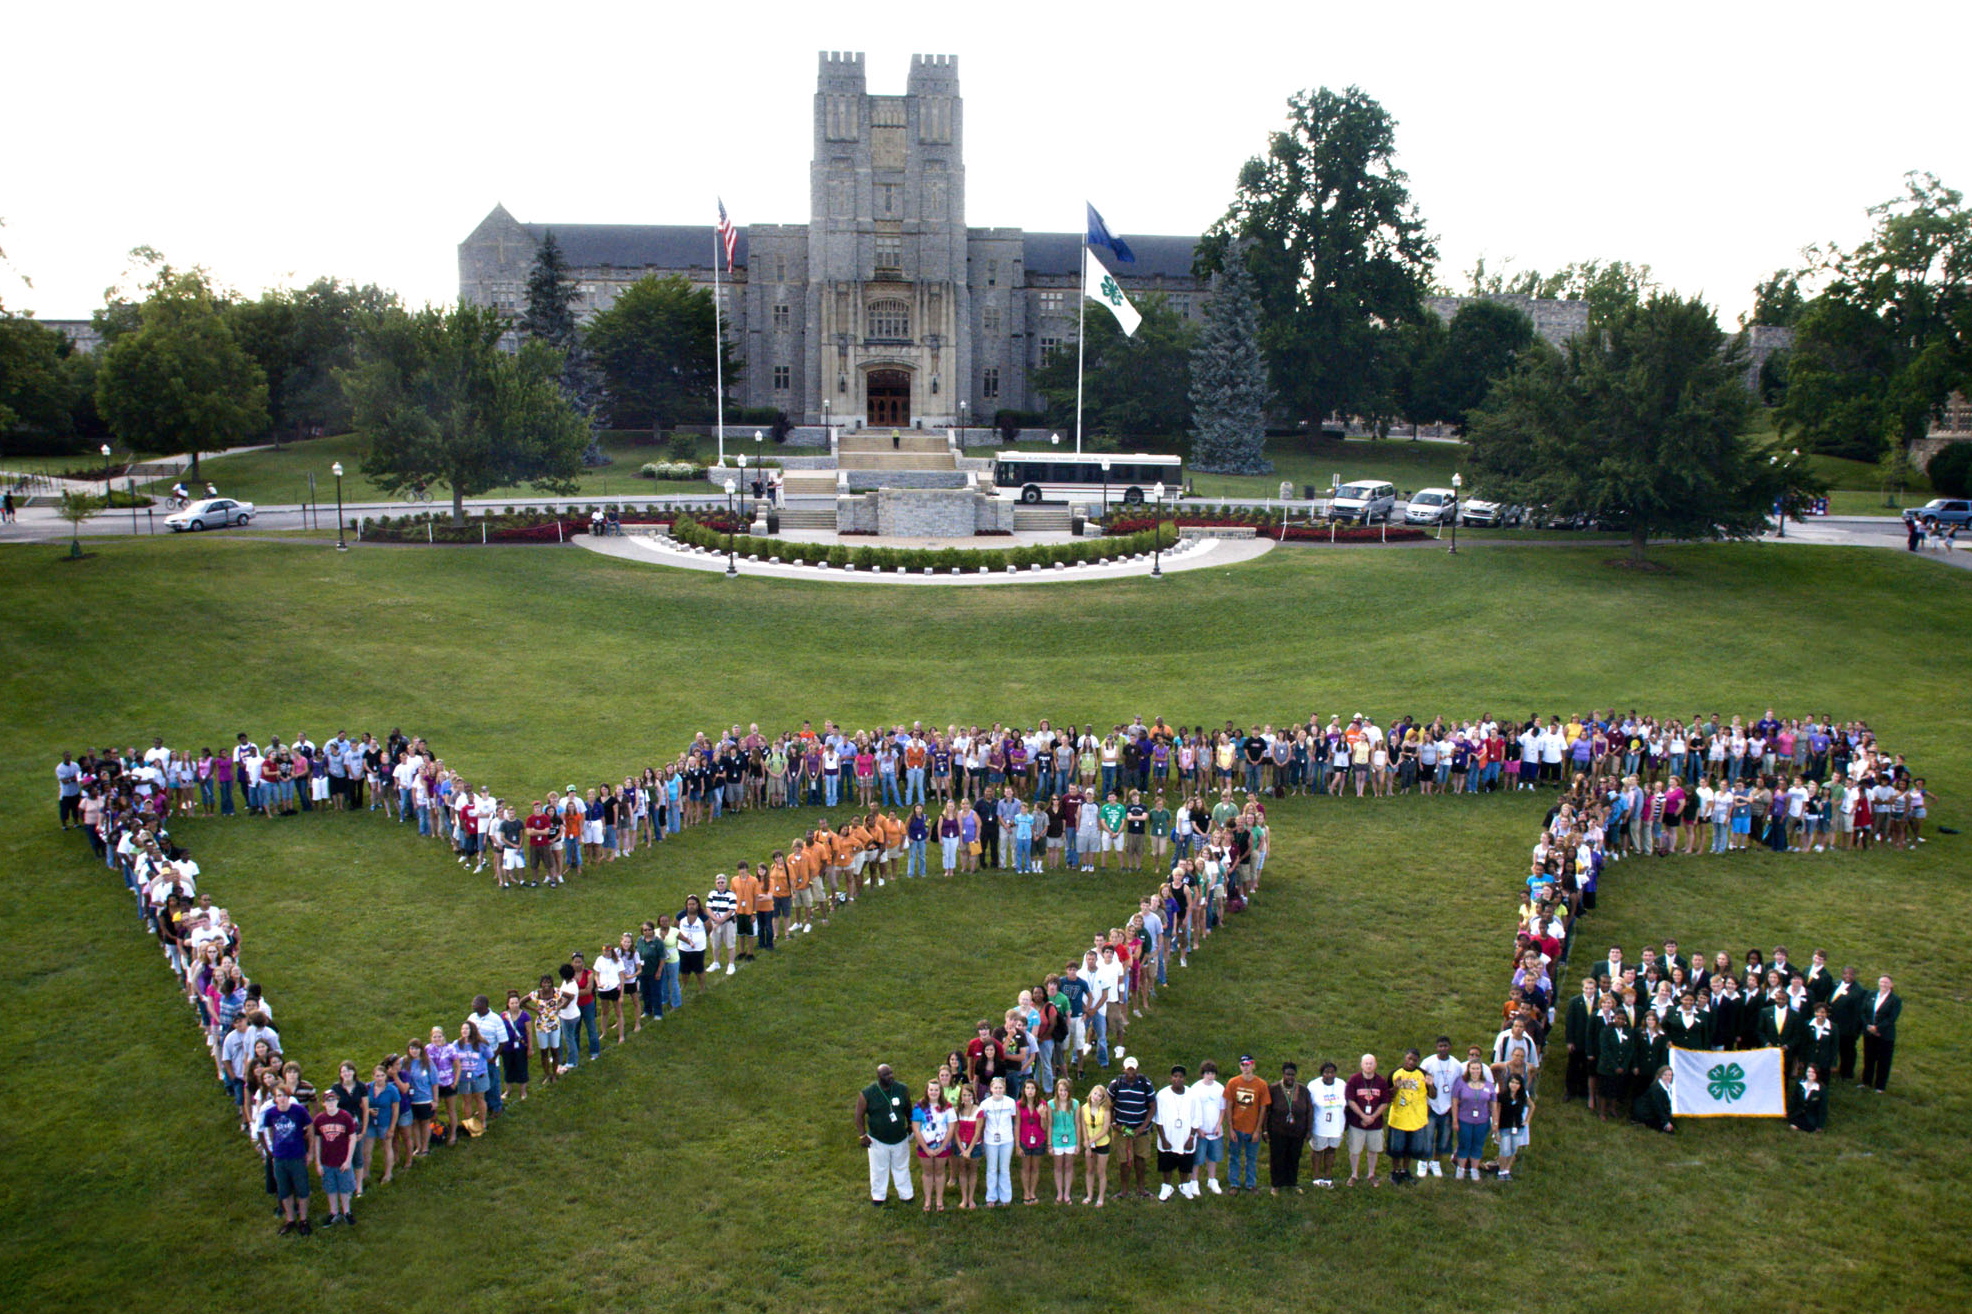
x: 682, y: 446
x: 838, y: 555
x: 1951, y: 470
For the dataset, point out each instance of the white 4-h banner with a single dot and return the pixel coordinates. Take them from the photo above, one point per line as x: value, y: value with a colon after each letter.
x: 1738, y: 1083
x: 1099, y: 283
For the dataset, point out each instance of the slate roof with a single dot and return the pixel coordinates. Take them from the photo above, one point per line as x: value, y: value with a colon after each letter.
x: 1060, y: 254
x: 637, y: 246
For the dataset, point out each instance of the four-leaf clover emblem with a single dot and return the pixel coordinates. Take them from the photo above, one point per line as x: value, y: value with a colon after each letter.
x: 1111, y: 293
x: 1727, y: 1082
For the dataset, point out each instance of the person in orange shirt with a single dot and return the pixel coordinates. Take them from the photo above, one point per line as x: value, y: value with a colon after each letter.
x: 821, y: 864
x: 1246, y: 1100
x: 851, y: 841
x: 893, y: 844
x: 746, y: 895
x: 774, y: 901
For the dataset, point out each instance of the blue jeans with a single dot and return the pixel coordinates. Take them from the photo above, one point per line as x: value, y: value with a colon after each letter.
x: 1443, y: 1130
x: 1044, y: 786
x: 424, y: 820
x: 1108, y: 780
x: 225, y: 798
x: 913, y: 785
x: 914, y: 866
x: 1244, y: 1167
x: 999, y: 1176
x: 1472, y: 1140
x: 650, y: 994
x: 831, y: 787
x: 571, y: 1040
x: 668, y: 987
x: 887, y: 781
x: 494, y: 1101
x: 1068, y: 843
x: 1252, y: 778
x: 1046, y: 1056
x: 1099, y: 1036
x: 1023, y: 853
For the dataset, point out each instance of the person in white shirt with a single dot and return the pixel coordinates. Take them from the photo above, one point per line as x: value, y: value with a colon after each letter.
x: 492, y: 1030
x: 1210, y: 1120
x: 1176, y: 1115
x: 1330, y: 1095
x: 1442, y: 1070
x: 996, y: 1112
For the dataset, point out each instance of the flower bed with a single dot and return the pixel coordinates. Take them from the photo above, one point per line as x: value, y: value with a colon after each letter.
x: 943, y: 560
x: 679, y: 470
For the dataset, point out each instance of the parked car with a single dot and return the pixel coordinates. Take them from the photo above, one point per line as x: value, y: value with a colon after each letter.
x: 209, y: 513
x: 1363, y: 502
x: 1941, y: 511
x: 1430, y: 506
x: 1480, y: 513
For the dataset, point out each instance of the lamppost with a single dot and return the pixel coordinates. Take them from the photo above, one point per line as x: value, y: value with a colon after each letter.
x: 336, y: 470
x: 732, y: 562
x: 825, y: 417
x: 1105, y: 488
x: 105, y: 449
x: 1457, y: 483
x: 965, y: 413
x: 742, y: 483
x: 1157, y: 534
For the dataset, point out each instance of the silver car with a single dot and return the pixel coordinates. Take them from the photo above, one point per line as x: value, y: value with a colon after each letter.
x: 1479, y: 513
x: 209, y: 513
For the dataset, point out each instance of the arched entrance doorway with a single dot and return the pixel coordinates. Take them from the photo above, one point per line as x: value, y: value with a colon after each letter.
x: 889, y: 398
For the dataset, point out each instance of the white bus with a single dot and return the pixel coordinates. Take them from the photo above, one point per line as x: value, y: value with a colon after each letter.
x: 1129, y: 478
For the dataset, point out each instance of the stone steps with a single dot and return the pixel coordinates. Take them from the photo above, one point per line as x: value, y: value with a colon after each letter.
x: 808, y: 483
x: 896, y: 461
x: 804, y: 518
x: 1042, y: 520
x: 876, y: 442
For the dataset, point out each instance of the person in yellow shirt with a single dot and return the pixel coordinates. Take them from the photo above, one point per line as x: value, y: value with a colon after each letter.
x: 1410, y: 1117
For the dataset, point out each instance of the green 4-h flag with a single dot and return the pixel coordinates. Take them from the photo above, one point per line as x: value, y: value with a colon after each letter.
x: 1738, y: 1083
x: 1099, y: 283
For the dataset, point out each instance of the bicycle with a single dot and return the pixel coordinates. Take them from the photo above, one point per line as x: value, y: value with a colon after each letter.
x: 417, y: 493
x: 176, y: 503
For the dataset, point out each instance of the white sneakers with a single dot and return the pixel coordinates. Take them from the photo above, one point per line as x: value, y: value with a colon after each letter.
x: 1437, y: 1168
x: 1164, y: 1192
x: 730, y: 969
x: 1190, y: 1190
x: 1212, y: 1185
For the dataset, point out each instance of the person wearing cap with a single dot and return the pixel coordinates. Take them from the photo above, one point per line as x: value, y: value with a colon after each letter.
x: 1290, y: 1113
x: 1177, y: 1136
x: 1131, y: 1096
x: 1246, y: 1099
x: 335, y: 1131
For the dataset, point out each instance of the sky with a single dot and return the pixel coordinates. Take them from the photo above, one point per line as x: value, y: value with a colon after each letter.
x: 272, y: 144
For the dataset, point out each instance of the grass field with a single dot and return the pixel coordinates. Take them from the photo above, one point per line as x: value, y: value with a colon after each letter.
x: 713, y: 1164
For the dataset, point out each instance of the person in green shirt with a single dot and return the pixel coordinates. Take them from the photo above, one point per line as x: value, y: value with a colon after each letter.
x: 1109, y: 821
x: 883, y: 1125
x: 1160, y: 830
x: 1225, y: 810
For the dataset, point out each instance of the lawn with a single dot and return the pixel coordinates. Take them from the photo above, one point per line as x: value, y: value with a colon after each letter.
x: 280, y: 476
x: 713, y: 1164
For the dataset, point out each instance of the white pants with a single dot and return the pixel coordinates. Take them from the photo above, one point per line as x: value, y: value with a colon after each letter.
x: 890, y: 1163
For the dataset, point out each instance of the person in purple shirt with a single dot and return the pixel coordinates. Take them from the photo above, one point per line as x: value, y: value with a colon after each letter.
x: 1474, y: 1111
x: 288, y: 1131
x: 444, y: 1062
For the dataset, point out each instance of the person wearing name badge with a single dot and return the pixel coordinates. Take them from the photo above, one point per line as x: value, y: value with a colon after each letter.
x: 883, y: 1126
x: 1879, y: 1034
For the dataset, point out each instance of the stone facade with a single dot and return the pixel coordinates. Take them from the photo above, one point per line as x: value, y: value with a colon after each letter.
x: 1762, y: 341
x: 922, y: 513
x: 884, y: 308
x: 1555, y: 321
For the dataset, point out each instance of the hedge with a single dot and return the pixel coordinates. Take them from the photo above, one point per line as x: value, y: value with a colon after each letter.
x: 943, y: 560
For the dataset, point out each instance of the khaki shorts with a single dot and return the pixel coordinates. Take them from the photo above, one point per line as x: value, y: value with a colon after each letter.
x: 805, y: 897
x: 1364, y: 1138
x: 723, y: 935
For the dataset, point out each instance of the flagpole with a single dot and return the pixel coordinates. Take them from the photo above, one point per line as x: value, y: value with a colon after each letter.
x: 1081, y: 309
x: 718, y: 352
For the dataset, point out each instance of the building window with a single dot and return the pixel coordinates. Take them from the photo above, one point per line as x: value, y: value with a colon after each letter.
x: 780, y: 269
x: 989, y: 384
x: 890, y: 320
x: 1048, y: 345
x: 1181, y: 303
x: 989, y: 319
x: 1051, y: 303
x: 781, y: 318
x: 992, y: 273
x: 887, y: 198
x: 890, y: 254
x: 781, y: 378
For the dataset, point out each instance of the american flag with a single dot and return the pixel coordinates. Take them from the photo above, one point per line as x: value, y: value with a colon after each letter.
x: 728, y: 235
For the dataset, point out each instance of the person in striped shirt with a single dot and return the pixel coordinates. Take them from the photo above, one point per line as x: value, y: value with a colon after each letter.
x: 721, y: 910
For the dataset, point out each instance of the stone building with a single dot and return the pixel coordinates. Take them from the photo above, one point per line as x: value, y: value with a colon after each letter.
x: 1555, y: 321
x: 885, y: 307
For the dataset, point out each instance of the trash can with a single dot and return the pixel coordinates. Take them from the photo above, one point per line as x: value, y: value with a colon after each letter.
x: 1286, y: 490
x: 773, y: 522
x: 1308, y: 491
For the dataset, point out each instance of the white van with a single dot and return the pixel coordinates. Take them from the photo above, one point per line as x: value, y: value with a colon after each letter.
x: 1363, y: 502
x: 1430, y: 506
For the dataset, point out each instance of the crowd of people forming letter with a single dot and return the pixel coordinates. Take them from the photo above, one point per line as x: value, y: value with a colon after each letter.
x: 1190, y: 804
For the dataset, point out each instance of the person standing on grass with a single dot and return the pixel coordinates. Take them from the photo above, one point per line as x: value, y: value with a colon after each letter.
x: 967, y: 1127
x: 331, y: 1146
x: 1516, y: 1114
x: 1177, y: 1136
x: 1473, y: 1100
x: 1290, y: 1116
x: 288, y: 1135
x: 652, y: 956
x: 1369, y: 1096
x: 1031, y: 1136
x: 386, y: 1103
x: 1109, y: 824
x: 1410, y: 1118
x: 722, y: 905
x: 517, y: 1022
x: 1246, y: 1099
x: 1209, y: 1123
x: 931, y: 1136
x: 1131, y: 1099
x: 546, y: 1007
x: 1879, y: 1034
x: 883, y: 1126
x: 1443, y: 1070
x: 998, y: 1114
x: 1064, y: 1139
x: 745, y: 889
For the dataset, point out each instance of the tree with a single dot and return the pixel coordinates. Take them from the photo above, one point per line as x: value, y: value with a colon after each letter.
x: 1229, y: 380
x: 1778, y: 301
x: 1132, y: 387
x: 654, y: 348
x: 75, y: 508
x: 1950, y: 469
x: 302, y: 340
x: 550, y: 318
x: 439, y: 402
x: 1641, y: 426
x: 1338, y: 253
x: 180, y: 382
x: 1877, y: 354
x: 36, y: 388
x: 1453, y: 370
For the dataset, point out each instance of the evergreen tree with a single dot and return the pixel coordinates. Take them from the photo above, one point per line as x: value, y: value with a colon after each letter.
x: 550, y: 318
x: 1229, y: 378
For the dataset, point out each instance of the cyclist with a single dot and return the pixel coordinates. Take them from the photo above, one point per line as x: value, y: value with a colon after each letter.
x: 211, y: 489
x: 178, y: 494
